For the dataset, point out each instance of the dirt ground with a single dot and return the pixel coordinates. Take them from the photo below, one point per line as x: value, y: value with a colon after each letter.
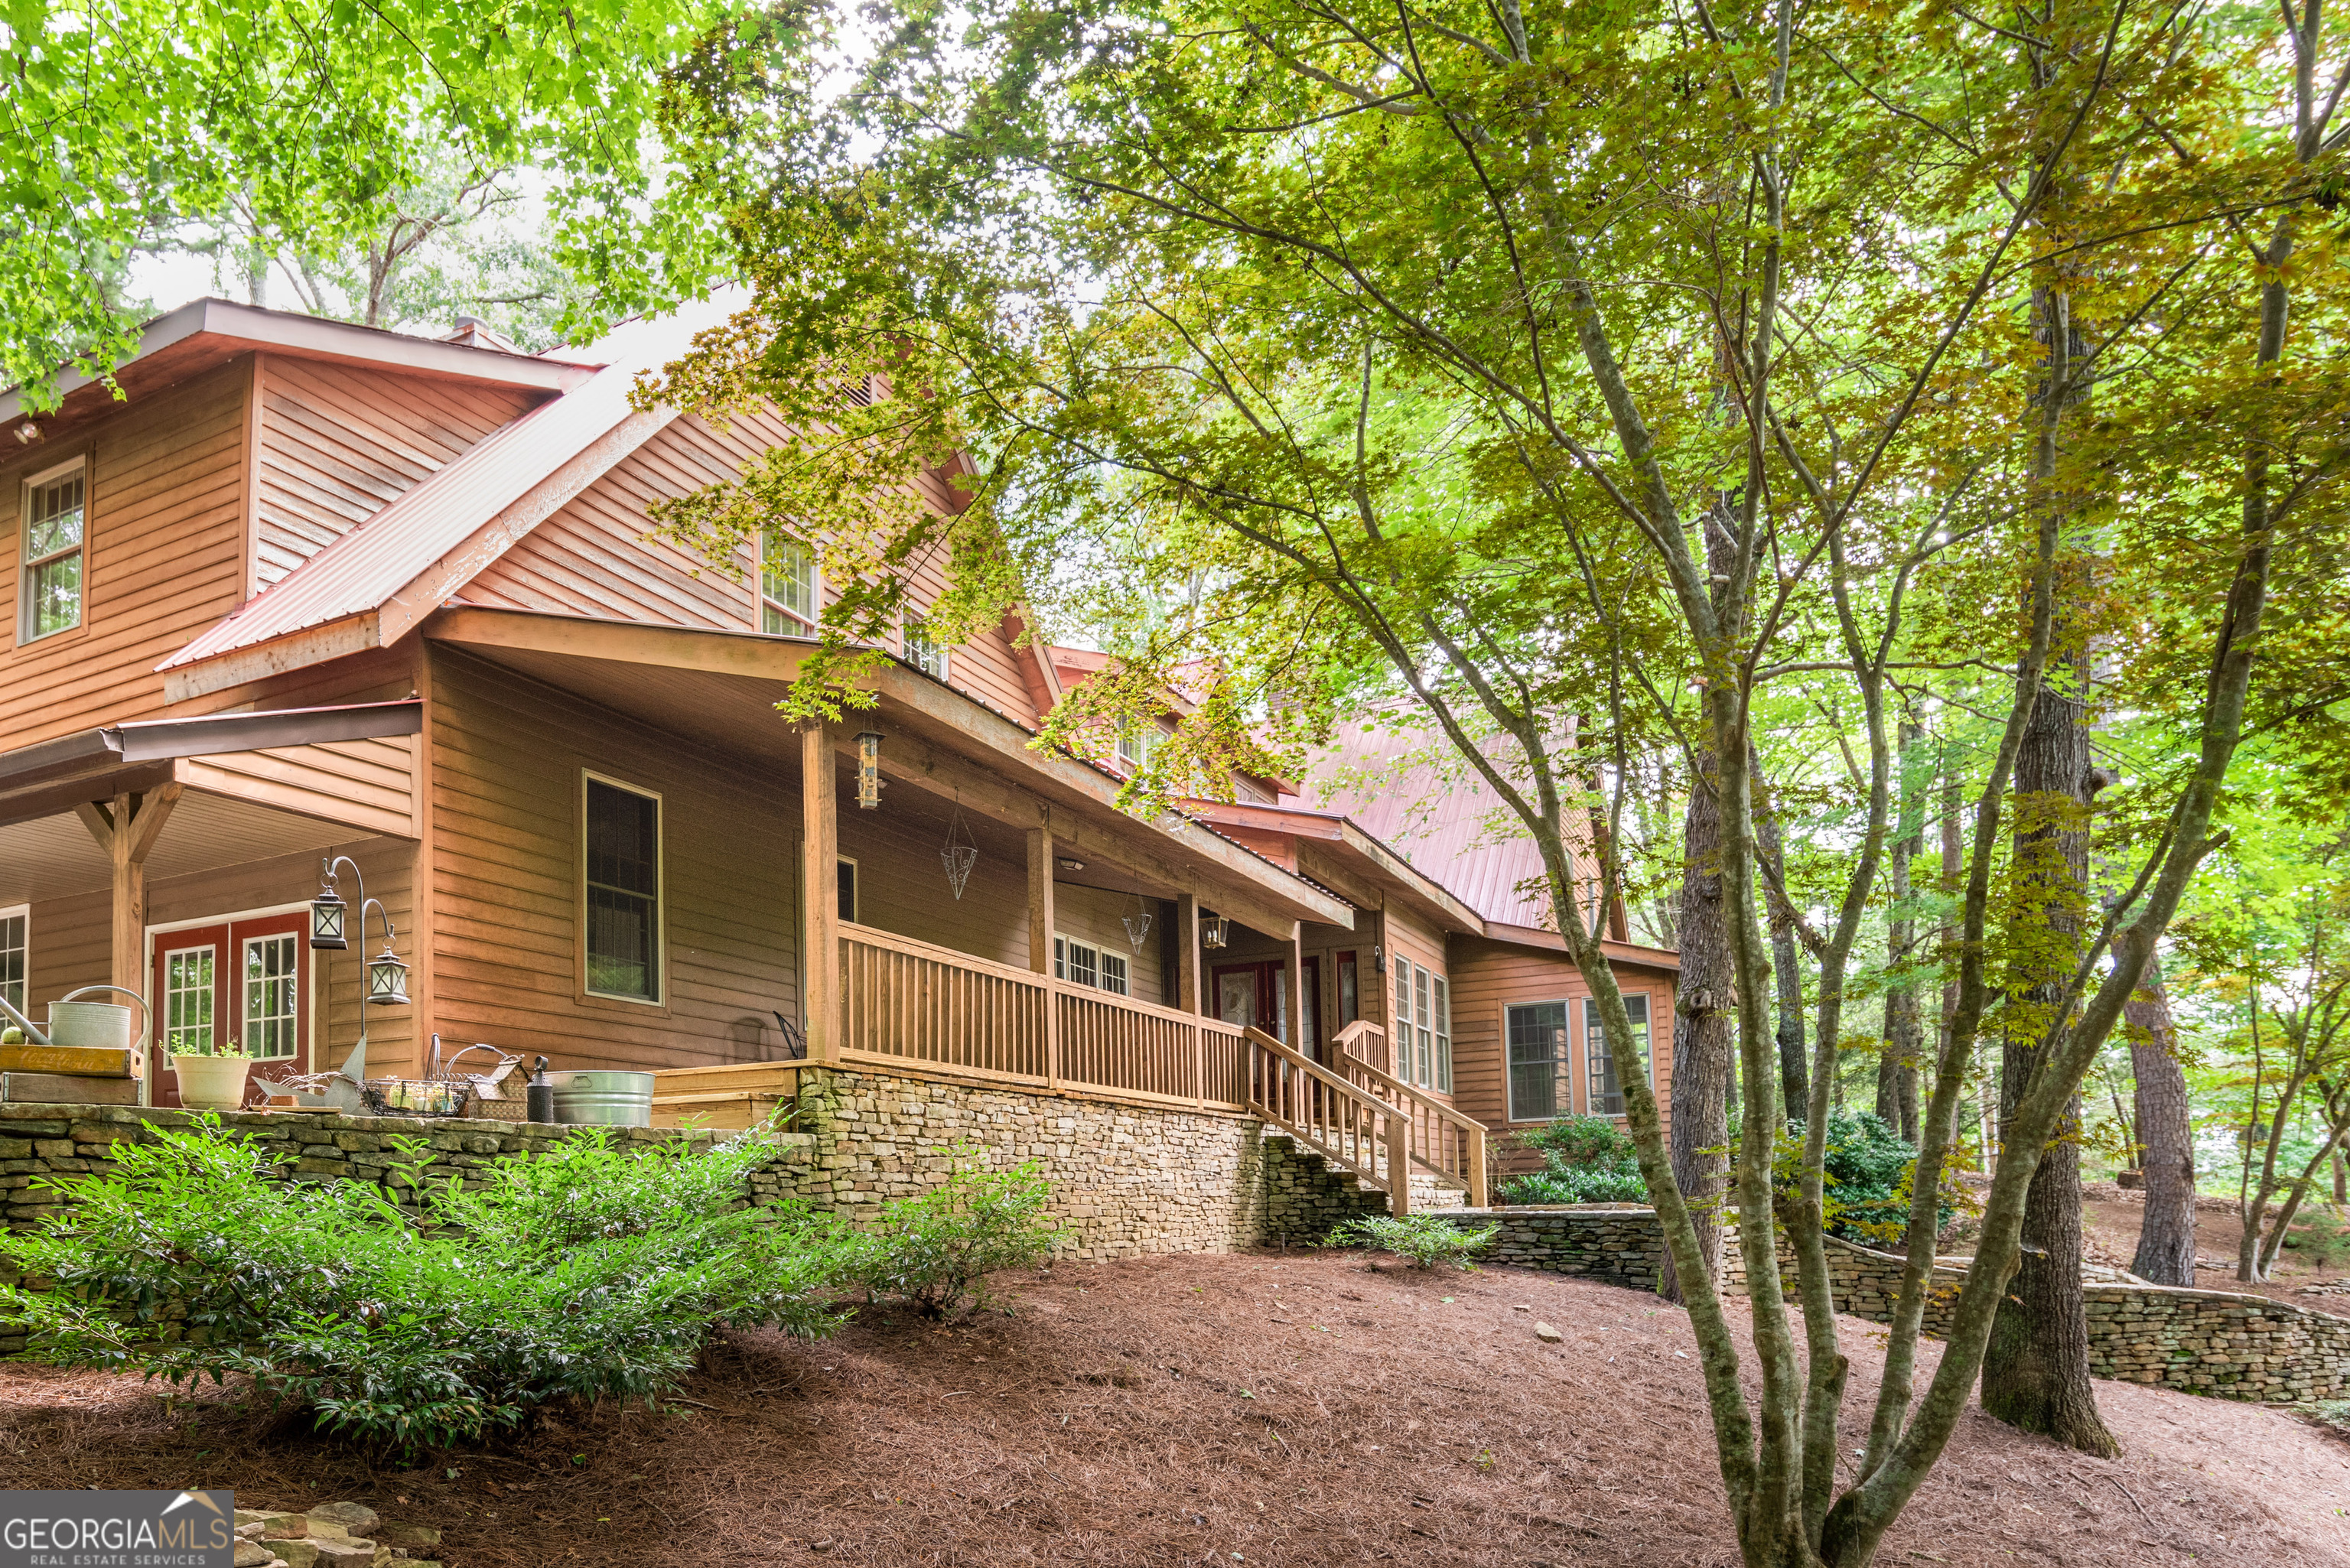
x: 2110, y: 1219
x: 1250, y: 1409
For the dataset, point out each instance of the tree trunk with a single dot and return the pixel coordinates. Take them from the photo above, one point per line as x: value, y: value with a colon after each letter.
x: 1702, y: 1026
x: 2036, y: 1368
x: 1795, y: 1067
x: 2166, y: 1238
x: 1896, y: 1073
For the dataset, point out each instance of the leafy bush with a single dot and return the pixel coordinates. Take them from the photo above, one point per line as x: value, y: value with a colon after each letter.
x: 1868, y: 1170
x: 936, y: 1250
x: 1423, y: 1240
x: 588, y: 1271
x: 1585, y: 1160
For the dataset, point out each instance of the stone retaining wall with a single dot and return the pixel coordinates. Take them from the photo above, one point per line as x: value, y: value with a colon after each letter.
x: 2217, y: 1343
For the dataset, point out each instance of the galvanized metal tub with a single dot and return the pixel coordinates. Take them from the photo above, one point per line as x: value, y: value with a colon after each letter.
x: 101, y: 1025
x: 603, y: 1099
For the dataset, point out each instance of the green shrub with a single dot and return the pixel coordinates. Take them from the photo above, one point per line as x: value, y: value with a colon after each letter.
x: 1868, y: 1169
x: 590, y: 1271
x: 1585, y: 1160
x: 1423, y: 1240
x: 936, y: 1250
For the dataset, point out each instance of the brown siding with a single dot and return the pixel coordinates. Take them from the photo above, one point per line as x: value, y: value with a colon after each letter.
x: 1488, y: 977
x: 338, y: 442
x: 901, y: 883
x: 165, y: 542
x: 1097, y: 916
x: 506, y: 757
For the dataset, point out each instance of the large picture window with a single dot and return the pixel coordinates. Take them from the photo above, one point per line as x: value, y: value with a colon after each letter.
x: 787, y: 587
x: 1541, y: 1081
x: 623, y: 883
x: 55, y: 522
x: 1607, y: 1080
x: 14, y: 926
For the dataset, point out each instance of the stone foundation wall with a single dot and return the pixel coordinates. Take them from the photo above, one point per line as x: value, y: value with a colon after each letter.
x: 2215, y: 1342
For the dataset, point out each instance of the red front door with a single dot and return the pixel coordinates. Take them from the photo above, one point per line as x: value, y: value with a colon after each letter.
x: 243, y: 983
x: 1253, y: 993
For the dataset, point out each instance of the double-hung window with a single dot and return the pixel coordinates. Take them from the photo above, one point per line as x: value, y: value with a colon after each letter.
x: 1423, y: 1027
x: 1607, y: 1073
x: 1134, y: 738
x: 57, y: 506
x: 623, y: 881
x: 787, y: 586
x: 924, y: 651
x: 1542, y: 1082
x: 1085, y: 965
x: 13, y: 928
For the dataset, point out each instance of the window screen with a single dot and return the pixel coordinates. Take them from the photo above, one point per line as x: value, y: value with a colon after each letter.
x: 1541, y: 1085
x: 1607, y: 1081
x: 623, y: 892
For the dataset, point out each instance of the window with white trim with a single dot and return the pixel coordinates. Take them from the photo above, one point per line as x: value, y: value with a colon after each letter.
x: 188, y: 990
x: 787, y: 586
x: 55, y: 517
x: 1607, y: 1081
x: 15, y: 927
x: 1083, y: 963
x: 923, y: 650
x: 623, y: 891
x: 270, y: 970
x: 1134, y: 739
x: 1541, y: 1077
x: 1423, y: 1027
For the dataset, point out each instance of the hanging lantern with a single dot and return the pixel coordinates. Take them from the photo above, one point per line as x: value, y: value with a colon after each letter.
x: 868, y: 772
x: 386, y: 979
x: 327, y: 914
x: 1214, y: 932
x: 959, y: 853
x: 1137, y: 924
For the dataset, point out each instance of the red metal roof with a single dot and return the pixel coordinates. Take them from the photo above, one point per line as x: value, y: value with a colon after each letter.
x: 364, y: 569
x: 1446, y: 821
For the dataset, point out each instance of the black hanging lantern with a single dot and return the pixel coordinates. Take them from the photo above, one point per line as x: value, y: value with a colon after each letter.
x: 328, y: 911
x: 1214, y: 932
x: 386, y: 979
x: 869, y: 771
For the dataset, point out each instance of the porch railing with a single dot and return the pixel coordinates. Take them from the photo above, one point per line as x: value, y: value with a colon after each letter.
x: 907, y: 1001
x: 1355, y: 1130
x: 1438, y: 1138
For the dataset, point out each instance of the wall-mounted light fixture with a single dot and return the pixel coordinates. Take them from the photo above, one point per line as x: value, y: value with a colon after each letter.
x: 28, y: 433
x: 869, y: 771
x: 1378, y: 960
x: 1070, y: 863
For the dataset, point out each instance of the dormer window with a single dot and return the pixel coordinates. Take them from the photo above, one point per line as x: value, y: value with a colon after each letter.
x: 1134, y: 738
x: 55, y: 513
x: 924, y: 650
x: 787, y: 587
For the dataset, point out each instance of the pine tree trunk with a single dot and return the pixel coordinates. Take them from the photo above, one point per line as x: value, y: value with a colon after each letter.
x: 2166, y: 1239
x: 2035, y: 1371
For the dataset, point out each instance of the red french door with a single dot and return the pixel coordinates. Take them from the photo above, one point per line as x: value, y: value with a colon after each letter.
x: 243, y: 983
x: 1253, y: 993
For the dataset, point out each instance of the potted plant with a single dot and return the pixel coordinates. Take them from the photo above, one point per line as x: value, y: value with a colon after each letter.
x: 211, y: 1080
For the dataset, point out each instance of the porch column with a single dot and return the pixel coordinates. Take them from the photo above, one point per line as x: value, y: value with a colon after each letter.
x: 1293, y: 983
x: 1185, y: 998
x: 1041, y: 921
x: 125, y: 828
x: 820, y: 877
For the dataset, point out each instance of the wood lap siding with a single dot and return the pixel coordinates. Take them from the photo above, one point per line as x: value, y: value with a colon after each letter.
x: 338, y: 444
x: 1490, y: 977
x: 165, y: 545
x: 902, y: 882
x: 592, y: 557
x: 363, y: 783
x: 505, y: 759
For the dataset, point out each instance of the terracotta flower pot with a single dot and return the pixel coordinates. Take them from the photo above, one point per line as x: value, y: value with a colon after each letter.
x: 212, y: 1082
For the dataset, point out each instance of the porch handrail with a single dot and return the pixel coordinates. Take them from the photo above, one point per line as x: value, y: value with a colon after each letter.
x: 1471, y: 1131
x: 1355, y: 1129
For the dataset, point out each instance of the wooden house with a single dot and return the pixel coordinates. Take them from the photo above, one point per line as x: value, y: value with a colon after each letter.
x: 307, y: 590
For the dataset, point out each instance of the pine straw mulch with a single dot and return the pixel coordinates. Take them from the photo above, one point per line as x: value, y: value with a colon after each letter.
x: 2111, y: 1218
x: 1251, y: 1410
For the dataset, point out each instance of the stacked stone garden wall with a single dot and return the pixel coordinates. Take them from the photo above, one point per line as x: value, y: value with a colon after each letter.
x: 2217, y: 1343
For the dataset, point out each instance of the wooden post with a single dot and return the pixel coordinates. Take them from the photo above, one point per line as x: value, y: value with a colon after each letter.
x: 1042, y: 918
x: 1479, y: 1198
x: 126, y: 829
x: 1398, y: 1164
x: 1187, y: 986
x: 820, y: 856
x: 1294, y: 985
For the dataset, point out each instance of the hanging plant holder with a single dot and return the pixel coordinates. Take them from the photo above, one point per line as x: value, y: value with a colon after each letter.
x: 1137, y: 924
x: 960, y: 853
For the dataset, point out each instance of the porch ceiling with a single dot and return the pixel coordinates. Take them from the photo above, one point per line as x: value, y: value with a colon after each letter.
x: 720, y: 688
x: 55, y: 858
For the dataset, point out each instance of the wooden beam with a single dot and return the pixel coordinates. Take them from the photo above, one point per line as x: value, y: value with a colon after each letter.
x: 912, y: 760
x: 1294, y: 982
x: 1187, y: 952
x: 820, y: 865
x: 153, y: 811
x: 1042, y: 918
